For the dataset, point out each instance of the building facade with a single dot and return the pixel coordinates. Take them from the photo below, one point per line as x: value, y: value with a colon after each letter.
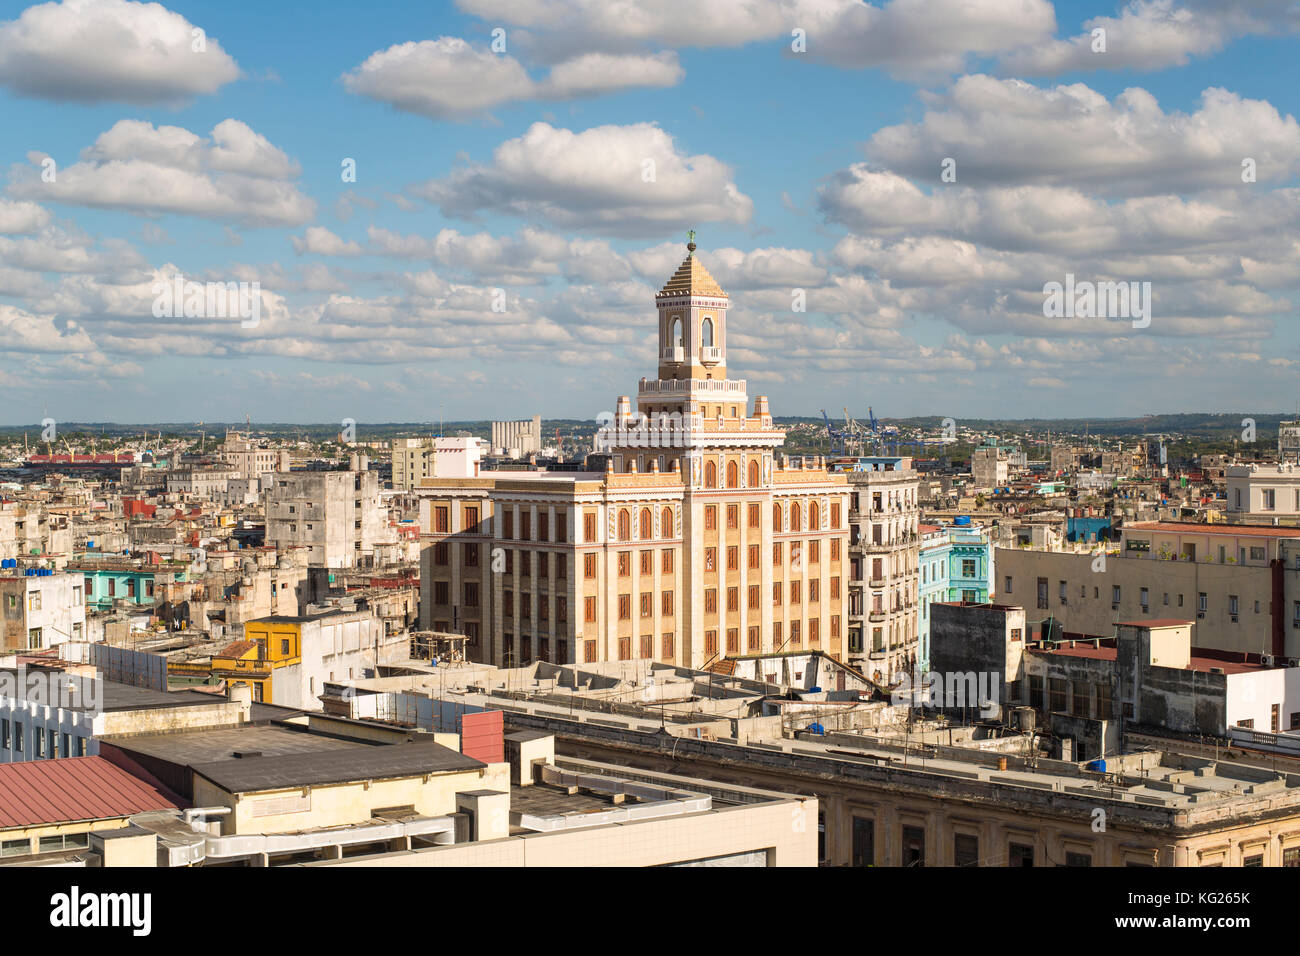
x: 696, y: 543
x: 885, y: 547
x: 336, y: 515
x: 933, y: 559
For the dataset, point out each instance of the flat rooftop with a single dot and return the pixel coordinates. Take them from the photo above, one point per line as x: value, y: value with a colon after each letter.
x: 113, y: 696
x: 1231, y: 530
x: 204, y: 746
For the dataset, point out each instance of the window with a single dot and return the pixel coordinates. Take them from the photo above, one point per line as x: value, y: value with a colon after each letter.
x: 624, y: 563
x: 589, y: 610
x: 913, y: 846
x: 776, y: 592
x: 753, y: 483
x: 710, y: 559
x: 753, y: 645
x: 1020, y: 854
x: 1144, y: 599
x: 647, y: 563
x: 589, y: 651
x: 647, y: 606
x: 625, y: 607
x: 1077, y: 859
x: 733, y: 558
x: 710, y: 600
x: 441, y: 519
x: 625, y: 648
x: 776, y: 519
x: 710, y: 475
x: 624, y: 525
x: 667, y: 647
x: 968, y: 568
x: 1042, y: 594
x: 733, y: 599
x: 471, y: 594
x: 589, y: 565
x: 589, y: 528
x: 1006, y: 582
x: 864, y: 841
x: 710, y: 517
x: 667, y: 564
x: 733, y: 478
x: 647, y: 527
x: 965, y: 850
x: 794, y: 592
x: 733, y: 516
x: 15, y: 847
x: 733, y: 640
x: 753, y: 556
x: 1114, y: 594
x: 666, y: 603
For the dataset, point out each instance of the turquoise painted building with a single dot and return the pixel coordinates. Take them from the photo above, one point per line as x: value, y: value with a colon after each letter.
x: 956, y: 564
x: 932, y: 585
x: 106, y: 585
x: 970, y: 564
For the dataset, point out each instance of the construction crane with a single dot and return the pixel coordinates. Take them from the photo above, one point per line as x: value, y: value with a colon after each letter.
x: 836, y: 435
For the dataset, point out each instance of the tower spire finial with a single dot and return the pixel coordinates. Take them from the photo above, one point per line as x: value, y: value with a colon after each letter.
x: 690, y: 241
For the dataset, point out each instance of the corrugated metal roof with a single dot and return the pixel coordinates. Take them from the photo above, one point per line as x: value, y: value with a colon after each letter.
x: 76, y: 788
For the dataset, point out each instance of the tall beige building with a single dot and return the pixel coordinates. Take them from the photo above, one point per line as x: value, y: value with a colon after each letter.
x: 696, y: 544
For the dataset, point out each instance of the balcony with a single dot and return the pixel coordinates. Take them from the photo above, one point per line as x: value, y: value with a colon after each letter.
x: 674, y: 354
x: 710, y: 355
x: 876, y: 583
x: 876, y: 616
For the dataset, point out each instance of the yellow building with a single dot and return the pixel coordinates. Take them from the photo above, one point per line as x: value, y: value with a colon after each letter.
x: 695, y: 543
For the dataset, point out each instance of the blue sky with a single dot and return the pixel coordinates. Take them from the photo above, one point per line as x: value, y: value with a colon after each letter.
x: 520, y: 169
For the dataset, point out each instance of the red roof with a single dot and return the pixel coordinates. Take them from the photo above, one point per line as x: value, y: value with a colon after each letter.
x: 1236, y: 530
x: 36, y: 792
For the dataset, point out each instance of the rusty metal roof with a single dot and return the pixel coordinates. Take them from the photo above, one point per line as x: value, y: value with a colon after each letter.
x: 35, y: 792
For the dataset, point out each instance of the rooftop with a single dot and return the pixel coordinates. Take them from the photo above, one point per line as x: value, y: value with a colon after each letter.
x: 691, y: 278
x: 35, y: 792
x: 255, y: 773
x: 1234, y: 530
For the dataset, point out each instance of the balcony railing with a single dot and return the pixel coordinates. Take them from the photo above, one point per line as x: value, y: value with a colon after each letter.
x: 674, y: 353
x: 710, y: 354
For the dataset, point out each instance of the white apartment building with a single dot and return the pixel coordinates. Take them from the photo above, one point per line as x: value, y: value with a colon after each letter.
x: 1264, y: 491
x: 41, y: 607
x: 884, y: 553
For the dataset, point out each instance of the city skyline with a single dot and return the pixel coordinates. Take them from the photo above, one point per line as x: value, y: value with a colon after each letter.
x: 887, y: 214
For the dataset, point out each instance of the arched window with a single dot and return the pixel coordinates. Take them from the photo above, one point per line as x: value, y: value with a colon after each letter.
x: 814, y: 516
x: 666, y: 527
x: 706, y: 333
x: 776, y: 518
x: 753, y: 474
x: 710, y: 475
x: 733, y: 475
x: 624, y: 525
x: 795, y: 508
x: 675, y: 333
x: 647, y: 525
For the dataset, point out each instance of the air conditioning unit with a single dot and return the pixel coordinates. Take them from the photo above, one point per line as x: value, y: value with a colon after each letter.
x: 1266, y: 660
